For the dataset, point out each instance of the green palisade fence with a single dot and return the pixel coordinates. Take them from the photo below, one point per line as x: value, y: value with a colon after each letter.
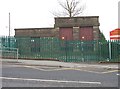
x: 63, y: 50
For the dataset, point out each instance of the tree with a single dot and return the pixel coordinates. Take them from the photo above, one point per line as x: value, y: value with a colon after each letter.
x: 102, y: 37
x: 71, y: 8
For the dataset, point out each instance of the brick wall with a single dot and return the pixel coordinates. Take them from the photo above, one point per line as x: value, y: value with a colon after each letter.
x: 74, y: 22
x: 35, y: 32
x: 77, y: 21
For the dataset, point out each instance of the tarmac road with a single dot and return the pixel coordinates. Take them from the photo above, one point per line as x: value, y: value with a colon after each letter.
x: 14, y: 75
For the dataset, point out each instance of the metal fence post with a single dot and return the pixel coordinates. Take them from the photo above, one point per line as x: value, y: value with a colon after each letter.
x: 17, y: 54
x: 100, y: 50
x: 110, y: 50
x: 82, y: 48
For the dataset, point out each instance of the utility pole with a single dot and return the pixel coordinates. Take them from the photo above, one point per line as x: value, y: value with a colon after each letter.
x: 119, y: 14
x: 9, y: 24
x: 9, y: 32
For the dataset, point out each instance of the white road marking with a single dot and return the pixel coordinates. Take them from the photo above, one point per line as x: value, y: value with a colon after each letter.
x: 58, y: 69
x: 37, y: 68
x: 63, y: 69
x: 110, y: 71
x: 44, y: 80
x: 48, y: 69
x: 118, y: 74
x: 89, y: 71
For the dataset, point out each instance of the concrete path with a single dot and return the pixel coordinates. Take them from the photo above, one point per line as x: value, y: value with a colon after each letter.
x: 61, y: 64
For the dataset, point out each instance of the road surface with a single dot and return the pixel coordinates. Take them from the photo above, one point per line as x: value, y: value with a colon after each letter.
x: 14, y: 75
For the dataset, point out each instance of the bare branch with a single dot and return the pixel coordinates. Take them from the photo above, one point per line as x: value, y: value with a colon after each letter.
x: 71, y: 8
x: 63, y: 5
x: 78, y: 11
x: 75, y: 5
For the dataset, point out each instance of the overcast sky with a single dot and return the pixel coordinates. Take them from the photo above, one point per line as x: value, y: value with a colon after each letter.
x: 37, y: 14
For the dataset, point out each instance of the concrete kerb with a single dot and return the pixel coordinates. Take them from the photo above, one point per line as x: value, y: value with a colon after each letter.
x: 60, y: 64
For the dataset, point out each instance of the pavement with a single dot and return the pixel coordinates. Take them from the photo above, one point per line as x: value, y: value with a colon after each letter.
x: 61, y: 64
